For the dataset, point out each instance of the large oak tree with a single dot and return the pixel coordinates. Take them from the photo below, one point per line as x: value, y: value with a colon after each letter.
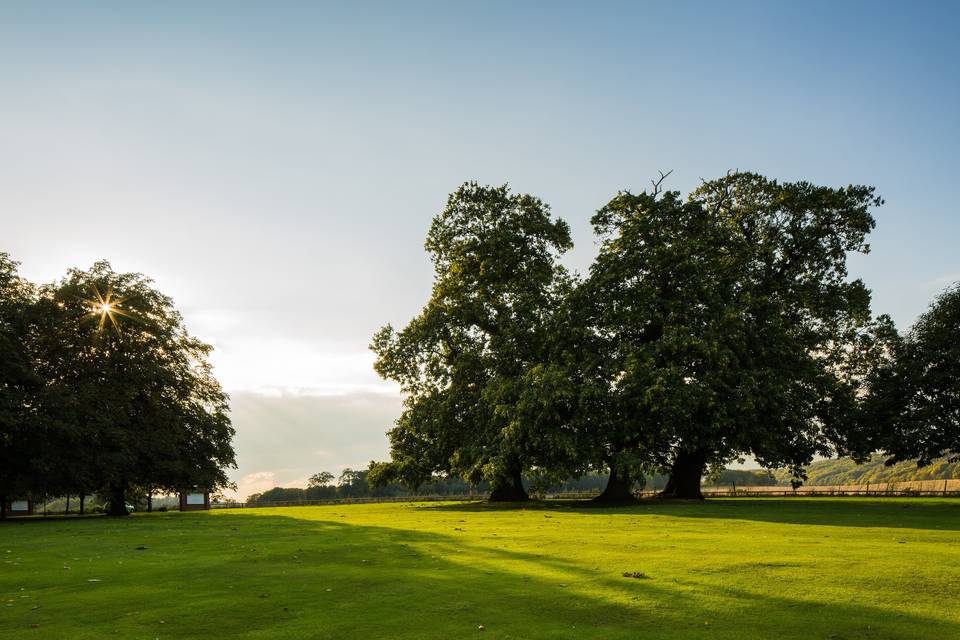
x: 728, y: 325
x: 131, y: 389
x: 461, y: 362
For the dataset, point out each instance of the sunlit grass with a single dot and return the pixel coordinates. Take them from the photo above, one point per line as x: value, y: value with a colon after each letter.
x: 766, y: 568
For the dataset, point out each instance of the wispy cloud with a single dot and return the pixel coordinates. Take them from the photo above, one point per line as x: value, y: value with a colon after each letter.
x: 283, y: 439
x: 281, y: 367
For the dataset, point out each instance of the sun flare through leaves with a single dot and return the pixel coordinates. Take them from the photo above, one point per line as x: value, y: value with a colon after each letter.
x: 106, y: 308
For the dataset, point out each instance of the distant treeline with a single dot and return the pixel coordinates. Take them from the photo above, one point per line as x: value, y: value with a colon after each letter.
x: 353, y: 483
x: 846, y: 471
x: 829, y: 472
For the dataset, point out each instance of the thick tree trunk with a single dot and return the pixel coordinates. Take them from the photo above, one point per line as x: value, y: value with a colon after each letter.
x: 619, y: 489
x: 149, y: 503
x: 66, y: 508
x: 509, y: 488
x: 685, y: 475
x: 118, y: 501
x: 82, y: 498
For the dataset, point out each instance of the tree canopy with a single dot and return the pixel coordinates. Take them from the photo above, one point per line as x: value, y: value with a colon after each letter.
x: 20, y: 446
x: 709, y: 327
x: 126, y: 397
x: 728, y: 321
x: 461, y: 361
x: 913, y: 406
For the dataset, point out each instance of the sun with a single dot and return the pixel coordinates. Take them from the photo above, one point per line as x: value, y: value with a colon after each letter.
x: 106, y: 307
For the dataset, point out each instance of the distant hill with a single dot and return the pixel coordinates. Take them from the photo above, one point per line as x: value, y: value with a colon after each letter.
x: 845, y: 471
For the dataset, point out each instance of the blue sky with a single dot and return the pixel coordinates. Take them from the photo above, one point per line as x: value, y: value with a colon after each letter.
x: 274, y: 166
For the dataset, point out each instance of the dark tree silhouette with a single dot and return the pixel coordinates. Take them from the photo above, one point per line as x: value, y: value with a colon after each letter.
x: 914, y: 401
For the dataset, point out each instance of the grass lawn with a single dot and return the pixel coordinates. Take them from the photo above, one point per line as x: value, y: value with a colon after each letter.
x: 728, y: 568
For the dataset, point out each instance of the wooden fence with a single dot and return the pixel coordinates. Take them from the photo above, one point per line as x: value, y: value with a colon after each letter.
x: 927, y: 488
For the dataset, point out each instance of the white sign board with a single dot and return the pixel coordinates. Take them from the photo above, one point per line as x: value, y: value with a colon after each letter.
x: 19, y: 505
x: 194, y: 498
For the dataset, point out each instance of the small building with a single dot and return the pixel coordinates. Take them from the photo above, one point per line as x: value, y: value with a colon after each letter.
x: 196, y: 500
x: 18, y: 508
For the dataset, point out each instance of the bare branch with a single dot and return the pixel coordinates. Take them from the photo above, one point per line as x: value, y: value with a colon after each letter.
x: 658, y: 184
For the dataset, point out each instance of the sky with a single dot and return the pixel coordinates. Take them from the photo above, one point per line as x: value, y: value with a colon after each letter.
x: 274, y: 166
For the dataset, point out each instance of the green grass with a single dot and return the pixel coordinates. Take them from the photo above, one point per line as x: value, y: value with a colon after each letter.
x: 740, y: 569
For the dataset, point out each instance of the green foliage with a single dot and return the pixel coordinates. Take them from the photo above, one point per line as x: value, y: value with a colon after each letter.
x: 914, y: 402
x: 728, y: 325
x: 20, y: 441
x: 353, y: 483
x: 874, y: 470
x: 126, y: 399
x: 356, y: 484
x: 709, y: 327
x: 743, y: 478
x: 321, y: 479
x: 590, y: 482
x: 461, y: 361
x: 278, y: 494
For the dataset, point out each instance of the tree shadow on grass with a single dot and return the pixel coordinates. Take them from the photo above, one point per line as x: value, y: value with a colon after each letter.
x: 53, y: 517
x: 893, y: 513
x: 246, y: 575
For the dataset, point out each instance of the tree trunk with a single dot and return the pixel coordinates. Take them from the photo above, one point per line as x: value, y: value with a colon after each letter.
x: 3, y: 506
x: 66, y: 508
x: 82, y: 497
x: 619, y: 489
x: 149, y: 503
x: 509, y: 488
x: 118, y: 501
x: 685, y: 475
